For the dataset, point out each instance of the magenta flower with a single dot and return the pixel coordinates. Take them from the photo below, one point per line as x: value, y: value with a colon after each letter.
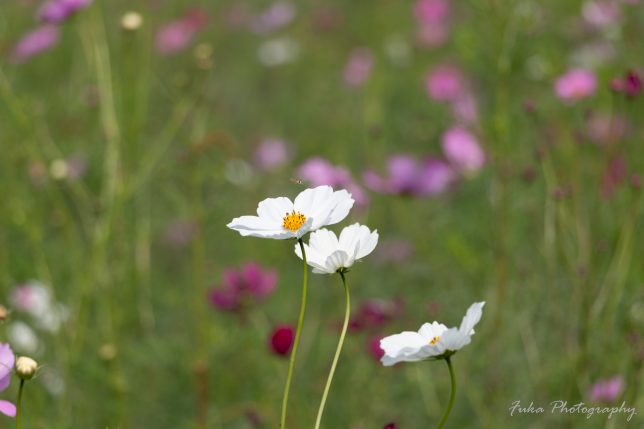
x: 58, y: 11
x: 606, y: 390
x: 408, y: 176
x: 281, y: 340
x: 375, y: 313
x: 318, y: 171
x: 240, y: 287
x: 374, y: 349
x: 7, y: 360
x: 445, y: 83
x: 358, y: 67
x: 176, y: 36
x: 391, y: 425
x: 36, y: 42
x: 575, y: 84
x: 432, y: 36
x: 271, y: 154
x: 431, y: 12
x: 630, y: 84
x: 462, y: 150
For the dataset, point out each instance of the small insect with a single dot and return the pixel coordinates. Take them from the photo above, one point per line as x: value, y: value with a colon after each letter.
x: 297, y: 181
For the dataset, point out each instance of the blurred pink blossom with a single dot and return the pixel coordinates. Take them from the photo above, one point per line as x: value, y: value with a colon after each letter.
x: 58, y: 11
x: 605, y: 129
x: 601, y: 13
x: 393, y: 251
x: 462, y: 150
x: 36, y: 42
x: 373, y: 347
x: 606, y: 390
x: 271, y: 154
x: 374, y: 313
x: 464, y: 109
x: 7, y: 360
x: 433, y: 35
x: 180, y: 232
x: 176, y: 36
x: 630, y: 84
x: 241, y: 286
x: 278, y: 15
x: 358, y: 67
x: 575, y: 84
x: 409, y: 176
x: 431, y: 12
x: 615, y: 174
x: 445, y: 83
x: 318, y: 171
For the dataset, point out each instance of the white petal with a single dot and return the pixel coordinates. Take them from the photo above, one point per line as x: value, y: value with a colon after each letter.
x: 255, y: 226
x: 404, y: 347
x: 311, y: 200
x: 336, y: 260
x: 323, y: 242
x: 431, y: 330
x: 471, y: 318
x: 343, y: 204
x: 453, y: 339
x: 350, y: 236
x: 275, y: 209
x: 368, y: 242
x: 324, y: 205
x: 313, y: 258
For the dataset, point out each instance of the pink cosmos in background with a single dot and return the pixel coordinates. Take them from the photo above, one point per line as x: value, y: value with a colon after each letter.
x: 445, y: 83
x: 432, y: 19
x: 271, y: 154
x: 358, y: 67
x: 390, y: 425
x: 464, y: 109
x: 630, y: 84
x: 462, y: 150
x: 36, y: 42
x: 318, y: 171
x: 240, y: 287
x: 615, y: 174
x: 375, y: 313
x: 176, y: 36
x: 7, y: 360
x: 606, y: 390
x: 575, y: 84
x: 601, y: 13
x: 408, y: 176
x: 605, y: 129
x: 374, y: 349
x: 58, y: 11
x: 278, y: 15
x: 281, y: 339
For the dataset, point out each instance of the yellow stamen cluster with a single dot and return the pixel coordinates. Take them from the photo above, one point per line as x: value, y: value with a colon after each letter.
x: 434, y: 340
x: 293, y: 221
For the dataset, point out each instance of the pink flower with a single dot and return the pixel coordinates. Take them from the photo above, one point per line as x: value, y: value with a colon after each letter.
x: 375, y: 313
x: 393, y: 251
x: 614, y: 175
x: 462, y: 150
x: 271, y: 154
x: 318, y: 171
x: 408, y: 176
x: 281, y: 340
x: 177, y: 35
x: 445, y: 83
x: 464, y: 109
x: 630, y: 84
x: 278, y: 15
x: 606, y: 390
x: 374, y: 349
x: 431, y: 12
x: 358, y: 67
x: 7, y: 360
x: 604, y: 129
x: 36, y: 42
x: 243, y: 286
x: 575, y: 84
x: 58, y: 11
x: 391, y: 425
x: 601, y: 14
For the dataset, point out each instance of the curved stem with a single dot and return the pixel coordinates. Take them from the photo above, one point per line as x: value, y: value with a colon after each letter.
x: 19, y: 404
x: 347, y: 312
x: 452, y: 395
x: 296, y: 343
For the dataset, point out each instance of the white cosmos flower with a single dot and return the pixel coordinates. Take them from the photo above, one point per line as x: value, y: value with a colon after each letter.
x: 433, y: 340
x: 327, y: 254
x: 280, y: 218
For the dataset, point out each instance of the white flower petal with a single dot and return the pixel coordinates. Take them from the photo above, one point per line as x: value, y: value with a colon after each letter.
x: 431, y: 330
x: 336, y: 260
x: 453, y: 339
x: 368, y: 242
x: 312, y: 200
x: 343, y: 204
x: 471, y: 318
x: 275, y: 209
x: 255, y: 226
x: 324, y: 242
x: 313, y: 258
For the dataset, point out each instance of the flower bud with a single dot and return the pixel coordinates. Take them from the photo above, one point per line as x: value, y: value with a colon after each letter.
x: 26, y: 367
x: 131, y: 21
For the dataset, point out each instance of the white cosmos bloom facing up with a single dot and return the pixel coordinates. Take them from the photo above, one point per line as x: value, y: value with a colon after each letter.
x: 433, y: 340
x: 280, y: 218
x: 327, y: 253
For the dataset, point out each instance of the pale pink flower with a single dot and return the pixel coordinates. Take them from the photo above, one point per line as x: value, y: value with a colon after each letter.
x: 278, y: 15
x: 432, y: 36
x: 58, y: 11
x: 601, y: 13
x: 445, y: 83
x: 607, y: 390
x: 319, y: 171
x: 176, y: 36
x: 431, y: 12
x: 409, y: 176
x: 271, y: 154
x: 36, y: 42
x: 462, y: 150
x: 575, y: 84
x: 358, y: 67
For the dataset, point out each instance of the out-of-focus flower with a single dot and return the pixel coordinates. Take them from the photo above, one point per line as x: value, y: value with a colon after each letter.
x: 432, y: 341
x: 176, y: 36
x: 593, y: 55
x: 462, y: 150
x: 239, y: 288
x: 131, y: 21
x: 431, y: 11
x: 464, y: 109
x: 278, y: 15
x: 408, y: 176
x: 36, y: 42
x: 180, y: 232
x: 238, y: 172
x: 35, y: 299
x: 601, y: 13
x: 275, y: 52
x: 375, y: 313
x: 22, y: 337
x: 397, y: 50
x: 445, y: 83
x: 358, y: 67
x: 318, y: 171
x: 394, y: 251
x: 614, y: 175
x: 280, y: 218
x: 606, y: 390
x: 328, y: 254
x: 630, y: 84
x: 390, y: 425
x: 605, y: 129
x: 575, y: 84
x: 58, y: 11
x: 271, y: 154
x: 432, y: 36
x: 281, y: 340
x: 7, y: 360
x: 373, y: 347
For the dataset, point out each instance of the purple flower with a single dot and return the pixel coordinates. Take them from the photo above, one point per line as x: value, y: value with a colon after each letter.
x: 318, y: 171
x: 575, y: 84
x: 37, y: 41
x: 445, y: 83
x: 462, y: 150
x: 7, y: 360
x: 58, y: 11
x: 606, y: 390
x: 408, y: 176
x: 358, y: 68
x: 176, y: 36
x: 271, y: 153
x: 239, y: 287
x: 278, y: 15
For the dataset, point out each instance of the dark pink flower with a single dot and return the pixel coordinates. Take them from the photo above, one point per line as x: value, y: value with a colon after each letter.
x: 391, y: 425
x: 318, y: 171
x: 36, y: 42
x: 606, y: 390
x: 575, y: 84
x: 445, y: 83
x: 630, y: 84
x: 431, y: 12
x: 240, y: 287
x: 281, y: 339
x: 176, y: 36
x: 374, y: 349
x: 462, y: 150
x: 58, y: 11
x: 358, y: 67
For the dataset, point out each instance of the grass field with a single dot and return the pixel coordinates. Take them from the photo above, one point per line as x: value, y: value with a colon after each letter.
x: 496, y: 146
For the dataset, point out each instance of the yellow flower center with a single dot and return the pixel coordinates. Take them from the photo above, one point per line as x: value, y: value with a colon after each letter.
x: 434, y: 340
x: 293, y: 221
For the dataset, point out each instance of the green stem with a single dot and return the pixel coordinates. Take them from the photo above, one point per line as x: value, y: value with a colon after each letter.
x: 452, y: 394
x: 296, y: 343
x: 19, y: 404
x: 347, y: 312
